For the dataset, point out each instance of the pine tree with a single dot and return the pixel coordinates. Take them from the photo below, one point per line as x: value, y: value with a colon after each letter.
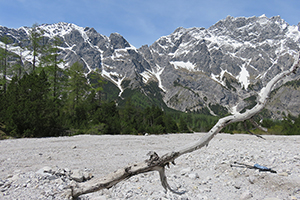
x: 108, y: 115
x: 97, y: 82
x: 183, y: 128
x: 4, y: 55
x: 170, y: 124
x: 36, y: 35
x: 18, y: 66
x: 78, y: 89
x: 51, y: 63
x: 29, y: 111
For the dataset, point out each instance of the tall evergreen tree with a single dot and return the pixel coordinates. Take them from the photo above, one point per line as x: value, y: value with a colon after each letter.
x: 131, y: 118
x: 4, y: 55
x: 170, y: 124
x: 36, y: 35
x: 78, y: 89
x: 108, y: 115
x: 97, y: 82
x: 18, y: 66
x: 183, y: 128
x: 29, y: 110
x: 77, y: 85
x: 51, y: 64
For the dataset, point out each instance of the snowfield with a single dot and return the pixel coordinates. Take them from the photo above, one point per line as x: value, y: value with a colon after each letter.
x: 42, y: 168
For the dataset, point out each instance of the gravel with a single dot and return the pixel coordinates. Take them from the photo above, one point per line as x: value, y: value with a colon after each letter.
x: 42, y: 168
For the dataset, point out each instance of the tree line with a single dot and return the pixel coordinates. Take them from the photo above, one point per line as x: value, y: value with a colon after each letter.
x: 38, y: 105
x: 43, y: 100
x: 39, y: 99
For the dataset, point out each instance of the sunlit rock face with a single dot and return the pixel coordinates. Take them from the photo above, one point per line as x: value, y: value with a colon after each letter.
x: 193, y: 68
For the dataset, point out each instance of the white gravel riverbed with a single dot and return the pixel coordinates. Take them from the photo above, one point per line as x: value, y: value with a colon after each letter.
x: 40, y: 168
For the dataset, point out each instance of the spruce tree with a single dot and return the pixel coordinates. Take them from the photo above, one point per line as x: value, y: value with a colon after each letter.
x: 78, y: 90
x: 35, y: 37
x: 29, y: 112
x: 97, y: 82
x: 4, y: 56
x: 51, y: 62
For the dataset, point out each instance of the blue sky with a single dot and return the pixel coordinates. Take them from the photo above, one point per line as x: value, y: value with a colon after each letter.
x: 141, y: 21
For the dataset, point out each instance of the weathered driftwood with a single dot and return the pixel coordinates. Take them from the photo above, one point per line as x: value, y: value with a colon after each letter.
x: 156, y: 163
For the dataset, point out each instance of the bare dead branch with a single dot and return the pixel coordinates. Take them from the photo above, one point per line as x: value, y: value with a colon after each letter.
x: 258, y: 126
x: 247, y: 129
x: 156, y: 163
x: 164, y: 182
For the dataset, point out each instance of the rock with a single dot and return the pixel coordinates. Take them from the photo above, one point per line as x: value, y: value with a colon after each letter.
x: 251, y: 179
x: 87, y: 176
x: 202, y: 197
x: 246, y: 195
x: 77, y: 175
x: 99, y: 198
x: 297, y: 158
x: 46, y: 174
x: 67, y: 170
x: 271, y: 198
x: 283, y: 174
x: 193, y: 175
x: 14, y: 178
x: 80, y: 176
x: 47, y: 169
x: 237, y: 184
x: 52, y: 177
x: 185, y: 171
x: 44, y: 170
x: 1, y: 183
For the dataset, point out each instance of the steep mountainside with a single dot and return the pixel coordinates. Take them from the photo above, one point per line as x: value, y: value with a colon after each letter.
x: 191, y: 69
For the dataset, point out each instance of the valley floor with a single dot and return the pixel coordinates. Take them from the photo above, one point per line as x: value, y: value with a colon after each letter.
x: 204, y: 174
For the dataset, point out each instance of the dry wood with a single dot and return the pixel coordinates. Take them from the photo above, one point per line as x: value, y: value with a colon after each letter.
x: 156, y: 163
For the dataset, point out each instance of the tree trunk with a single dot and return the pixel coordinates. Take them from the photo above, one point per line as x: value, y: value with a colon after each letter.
x: 156, y: 163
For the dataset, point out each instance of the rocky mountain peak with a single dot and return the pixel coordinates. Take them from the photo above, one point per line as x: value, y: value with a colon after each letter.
x: 193, y: 68
x: 118, y: 41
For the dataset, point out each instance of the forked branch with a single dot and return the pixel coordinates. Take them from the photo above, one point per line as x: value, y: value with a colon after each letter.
x: 156, y: 163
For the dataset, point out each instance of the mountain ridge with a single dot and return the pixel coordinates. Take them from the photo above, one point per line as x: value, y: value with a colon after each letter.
x: 193, y: 67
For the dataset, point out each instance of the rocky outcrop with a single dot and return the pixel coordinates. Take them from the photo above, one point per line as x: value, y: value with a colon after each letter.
x: 194, y: 67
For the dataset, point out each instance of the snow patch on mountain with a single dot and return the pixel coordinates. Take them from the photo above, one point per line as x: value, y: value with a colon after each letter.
x: 58, y: 29
x: 119, y: 54
x: 115, y: 78
x: 156, y: 72
x: 147, y: 75
x: 244, y: 76
x: 219, y: 78
x: 293, y: 33
x: 184, y: 65
x: 26, y: 54
x: 263, y: 20
x: 61, y: 29
x: 87, y: 65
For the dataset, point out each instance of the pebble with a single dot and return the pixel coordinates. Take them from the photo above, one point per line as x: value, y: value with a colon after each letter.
x: 202, y: 197
x: 283, y: 174
x: 77, y: 175
x: 193, y: 175
x: 246, y: 195
x: 251, y: 179
x: 237, y: 184
x: 185, y: 171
